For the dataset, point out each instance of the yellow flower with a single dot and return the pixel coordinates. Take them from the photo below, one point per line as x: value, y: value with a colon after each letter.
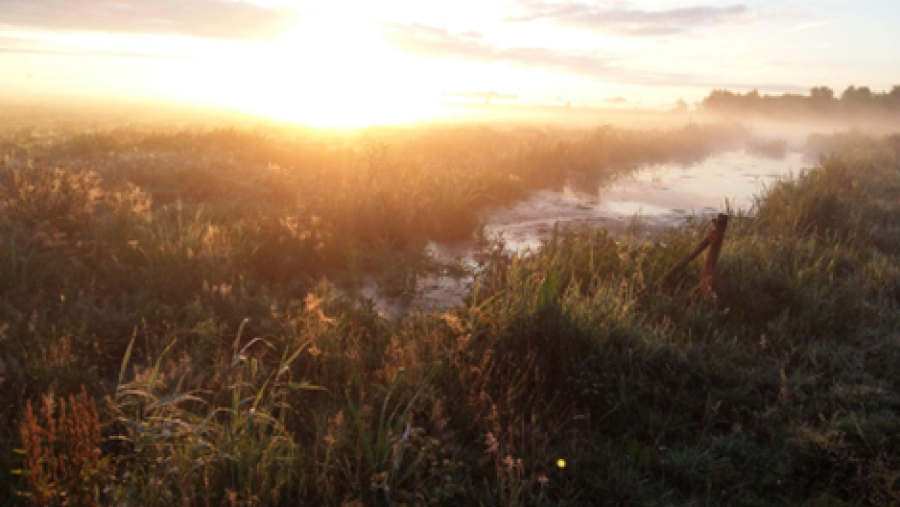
x: 561, y: 463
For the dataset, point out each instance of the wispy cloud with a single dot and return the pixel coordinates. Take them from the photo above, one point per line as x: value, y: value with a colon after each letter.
x: 434, y: 42
x: 218, y: 19
x: 109, y: 54
x: 30, y: 46
x: 616, y: 19
x: 810, y: 26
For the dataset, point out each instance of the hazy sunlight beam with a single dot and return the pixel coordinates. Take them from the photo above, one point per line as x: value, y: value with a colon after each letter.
x: 331, y: 71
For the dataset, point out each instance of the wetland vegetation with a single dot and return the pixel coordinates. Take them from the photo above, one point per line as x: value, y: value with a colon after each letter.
x: 172, y: 329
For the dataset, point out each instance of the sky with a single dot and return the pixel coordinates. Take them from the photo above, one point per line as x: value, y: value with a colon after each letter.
x: 389, y: 60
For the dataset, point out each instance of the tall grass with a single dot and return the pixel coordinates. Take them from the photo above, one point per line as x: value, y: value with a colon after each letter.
x: 223, y: 373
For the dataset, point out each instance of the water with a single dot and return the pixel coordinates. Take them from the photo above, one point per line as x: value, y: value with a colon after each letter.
x: 663, y: 195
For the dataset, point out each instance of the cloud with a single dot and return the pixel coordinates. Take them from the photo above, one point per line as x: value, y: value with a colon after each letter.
x: 810, y: 26
x: 25, y: 46
x: 434, y: 42
x: 628, y: 22
x: 113, y: 54
x: 217, y: 19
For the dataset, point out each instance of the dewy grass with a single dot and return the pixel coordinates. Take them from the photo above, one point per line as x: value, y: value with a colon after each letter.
x: 177, y: 278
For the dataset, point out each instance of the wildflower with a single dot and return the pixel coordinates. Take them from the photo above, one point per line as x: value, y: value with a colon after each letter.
x: 339, y: 419
x: 561, y: 463
x: 453, y: 322
x: 312, y: 302
x: 491, y: 443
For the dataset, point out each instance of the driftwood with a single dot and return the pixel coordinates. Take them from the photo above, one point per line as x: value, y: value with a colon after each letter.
x: 711, y: 283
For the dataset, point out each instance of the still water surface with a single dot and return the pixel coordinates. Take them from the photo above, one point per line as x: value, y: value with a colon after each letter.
x: 663, y: 195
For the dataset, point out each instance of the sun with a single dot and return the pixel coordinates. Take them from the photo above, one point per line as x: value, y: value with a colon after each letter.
x: 331, y: 70
x: 337, y: 72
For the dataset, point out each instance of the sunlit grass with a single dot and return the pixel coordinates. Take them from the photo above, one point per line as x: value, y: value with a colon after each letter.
x: 177, y: 277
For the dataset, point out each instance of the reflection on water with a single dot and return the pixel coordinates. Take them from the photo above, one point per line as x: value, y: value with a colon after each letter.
x: 662, y: 194
x: 664, y: 188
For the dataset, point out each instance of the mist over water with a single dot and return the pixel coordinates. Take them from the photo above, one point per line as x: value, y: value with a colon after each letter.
x: 661, y: 194
x: 258, y: 252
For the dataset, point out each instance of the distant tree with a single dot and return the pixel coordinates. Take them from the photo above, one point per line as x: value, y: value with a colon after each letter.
x: 848, y: 94
x: 894, y: 96
x: 821, y: 93
x: 821, y: 101
x: 858, y: 95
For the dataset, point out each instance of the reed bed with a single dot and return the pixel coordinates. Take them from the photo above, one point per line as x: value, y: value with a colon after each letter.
x: 211, y: 363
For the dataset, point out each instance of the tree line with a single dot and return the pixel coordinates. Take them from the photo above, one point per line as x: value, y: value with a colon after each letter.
x: 821, y: 101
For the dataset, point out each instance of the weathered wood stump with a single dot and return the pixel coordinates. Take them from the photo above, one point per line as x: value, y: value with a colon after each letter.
x: 711, y: 283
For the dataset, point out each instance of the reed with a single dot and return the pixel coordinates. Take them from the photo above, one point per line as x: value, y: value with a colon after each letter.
x: 218, y: 369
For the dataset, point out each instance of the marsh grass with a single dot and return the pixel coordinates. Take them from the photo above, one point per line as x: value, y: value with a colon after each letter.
x: 771, y: 148
x: 224, y: 373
